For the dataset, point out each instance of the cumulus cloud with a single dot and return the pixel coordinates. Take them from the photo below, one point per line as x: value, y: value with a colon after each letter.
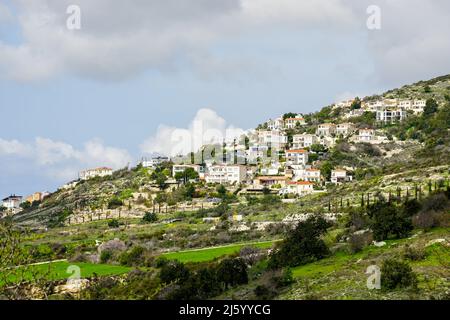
x: 61, y: 160
x: 119, y: 39
x: 207, y: 127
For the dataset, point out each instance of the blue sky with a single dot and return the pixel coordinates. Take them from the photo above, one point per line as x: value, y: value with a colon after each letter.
x: 91, y: 97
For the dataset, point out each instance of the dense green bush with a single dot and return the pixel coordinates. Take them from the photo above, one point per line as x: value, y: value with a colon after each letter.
x: 397, y: 274
x: 302, y: 245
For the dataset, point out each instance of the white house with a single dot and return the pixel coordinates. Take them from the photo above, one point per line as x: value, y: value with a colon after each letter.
x: 226, y: 174
x: 275, y: 138
x: 153, y: 162
x: 276, y: 124
x: 300, y: 141
x: 373, y: 106
x: 292, y: 123
x: 391, y: 115
x: 301, y: 174
x: 418, y: 106
x: 298, y: 187
x: 339, y: 176
x: 366, y: 135
x: 326, y: 129
x: 97, y: 172
x: 12, y: 202
x: 296, y: 157
x: 256, y: 151
x: 180, y: 168
x: 345, y: 129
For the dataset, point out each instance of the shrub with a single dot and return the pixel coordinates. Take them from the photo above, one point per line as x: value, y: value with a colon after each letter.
x: 114, y: 223
x: 173, y: 271
x: 106, y: 256
x: 359, y: 240
x: 414, y: 253
x: 397, y: 274
x: 136, y: 256
x: 303, y: 245
x: 150, y: 217
x: 388, y: 219
x: 232, y: 272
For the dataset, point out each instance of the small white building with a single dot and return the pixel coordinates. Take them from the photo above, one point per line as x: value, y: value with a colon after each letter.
x: 300, y: 141
x: 226, y: 174
x: 97, y: 172
x: 256, y: 152
x: 298, y: 188
x: 154, y: 161
x: 340, y: 176
x: 326, y: 129
x: 297, y: 157
x: 274, y: 138
x: 180, y: 168
x: 418, y: 106
x: 311, y: 175
x: 276, y: 124
x: 366, y: 135
x: 345, y: 129
x: 292, y: 123
x: 12, y: 202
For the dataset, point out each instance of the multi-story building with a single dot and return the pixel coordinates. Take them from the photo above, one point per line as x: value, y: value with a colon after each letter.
x: 180, y: 168
x: 298, y: 188
x: 300, y: 141
x: 345, y: 129
x: 274, y: 138
x: 37, y: 196
x: 98, y: 172
x: 326, y: 129
x: 276, y: 124
x: 292, y: 123
x: 154, y: 161
x: 366, y: 135
x: 297, y: 157
x: 340, y: 176
x: 12, y: 202
x: 301, y: 174
x: 391, y: 115
x: 226, y: 174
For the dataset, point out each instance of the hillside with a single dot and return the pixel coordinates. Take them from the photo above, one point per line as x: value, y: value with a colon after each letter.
x: 161, y: 220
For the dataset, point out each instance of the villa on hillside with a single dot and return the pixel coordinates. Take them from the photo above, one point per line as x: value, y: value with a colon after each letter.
x: 37, y: 196
x: 297, y: 157
x: 340, y: 176
x: 304, y: 140
x: 298, y: 188
x: 326, y: 129
x: 154, y: 161
x: 180, y: 168
x: 345, y: 129
x: 292, y: 123
x: 226, y: 174
x: 391, y: 115
x: 366, y: 135
x: 97, y: 172
x: 12, y: 202
x: 269, y: 181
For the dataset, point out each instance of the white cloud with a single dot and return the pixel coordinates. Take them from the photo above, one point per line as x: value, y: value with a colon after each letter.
x: 14, y: 147
x: 207, y: 127
x: 61, y: 160
x: 119, y: 39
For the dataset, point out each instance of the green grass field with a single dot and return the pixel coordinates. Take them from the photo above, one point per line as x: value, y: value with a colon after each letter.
x: 208, y: 254
x: 59, y: 270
